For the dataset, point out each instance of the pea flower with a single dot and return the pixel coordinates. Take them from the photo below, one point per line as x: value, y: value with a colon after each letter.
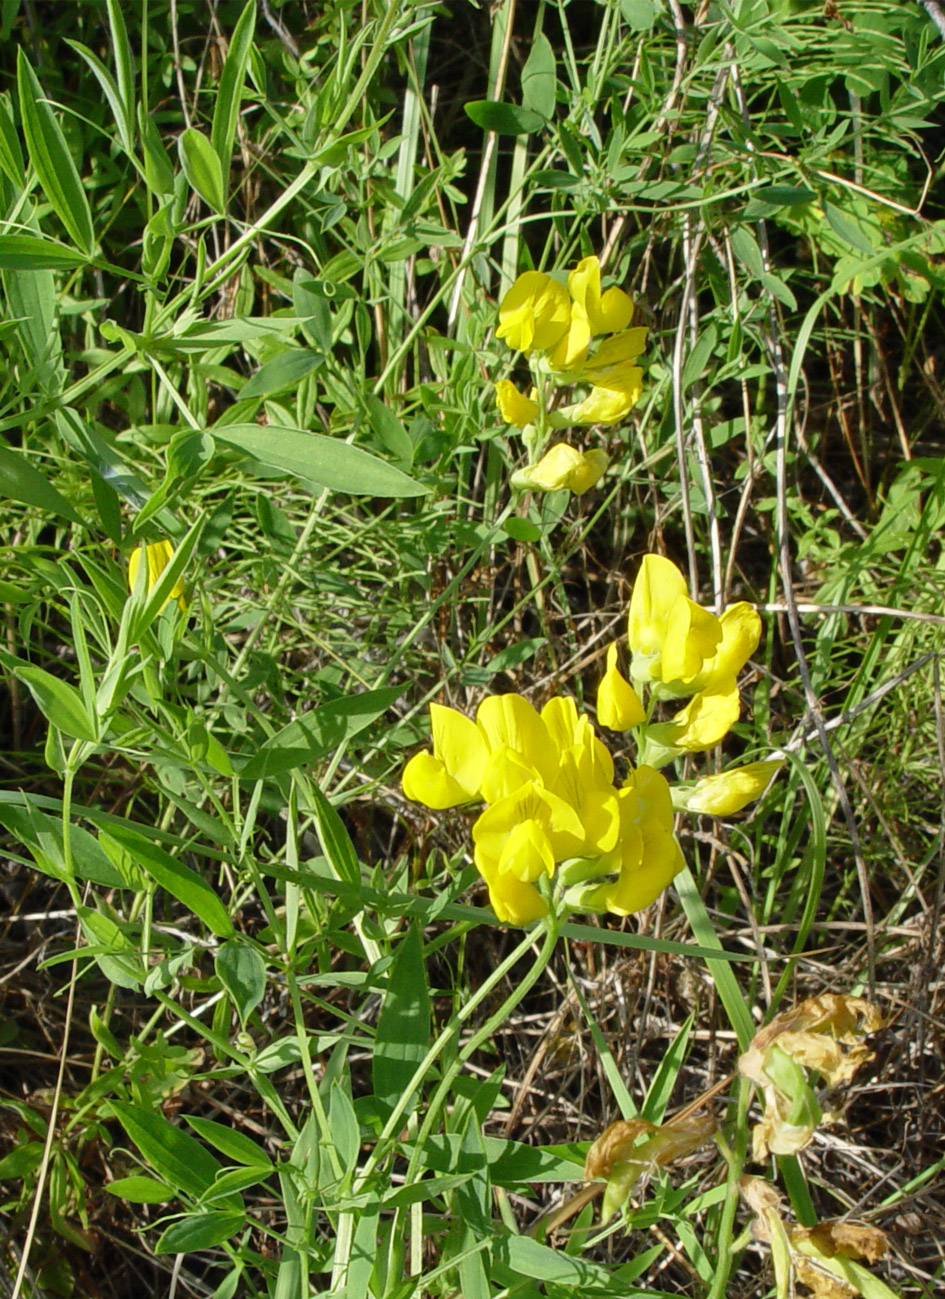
x: 618, y: 704
x: 157, y: 556
x: 563, y: 467
x: 728, y: 792
x: 514, y: 407
x: 534, y: 314
x: 556, y: 830
x: 591, y: 313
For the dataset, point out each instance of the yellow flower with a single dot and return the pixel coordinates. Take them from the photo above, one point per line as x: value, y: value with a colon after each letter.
x: 534, y: 314
x: 514, y: 407
x: 647, y: 857
x: 157, y: 556
x: 701, y: 725
x: 453, y: 772
x: 741, y: 632
x: 548, y: 783
x: 613, y: 354
x: 592, y: 313
x: 672, y: 638
x: 730, y: 791
x: 563, y: 467
x: 608, y: 402
x: 513, y: 901
x: 618, y: 704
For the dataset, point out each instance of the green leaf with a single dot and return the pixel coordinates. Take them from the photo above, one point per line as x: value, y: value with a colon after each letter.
x: 242, y: 971
x: 513, y: 655
x: 745, y: 247
x: 390, y: 431
x: 504, y: 119
x: 785, y: 195
x: 698, y: 358
x: 319, y: 461
x: 42, y: 835
x: 110, y: 90
x: 403, y: 1027
x: 114, y: 954
x: 34, y: 253
x: 334, y: 838
x: 639, y: 15
x: 202, y: 168
x: 140, y: 1190
x: 521, y: 529
x: 158, y: 172
x: 177, y: 1157
x: 850, y: 231
x: 205, y: 1231
x: 281, y: 372
x: 124, y: 71
x: 60, y: 703
x: 538, y: 78
x: 23, y: 482
x: 235, y: 1145
x: 226, y: 109
x: 236, y: 1179
x: 11, y: 155
x: 51, y: 158
x: 778, y: 289
x: 343, y: 1125
x: 179, y: 880
x: 316, y: 733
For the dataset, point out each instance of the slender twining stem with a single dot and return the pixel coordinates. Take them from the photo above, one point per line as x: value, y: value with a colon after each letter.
x: 482, y: 1034
x: 452, y: 1030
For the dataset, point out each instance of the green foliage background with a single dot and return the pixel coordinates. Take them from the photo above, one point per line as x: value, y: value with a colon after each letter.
x: 250, y: 259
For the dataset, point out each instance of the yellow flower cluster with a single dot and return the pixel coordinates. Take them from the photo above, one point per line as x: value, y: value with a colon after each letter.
x: 681, y: 650
x: 555, y: 831
x: 555, y: 326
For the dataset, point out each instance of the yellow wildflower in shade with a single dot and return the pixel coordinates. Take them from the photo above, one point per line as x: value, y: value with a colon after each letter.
x: 608, y: 403
x: 514, y: 407
x: 613, y: 355
x: 157, y: 556
x: 728, y: 792
x: 563, y: 467
x: 453, y: 772
x: 592, y: 313
x: 534, y: 314
x: 672, y: 638
x: 618, y: 704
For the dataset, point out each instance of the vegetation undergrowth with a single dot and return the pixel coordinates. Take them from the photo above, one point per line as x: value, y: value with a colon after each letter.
x: 413, y: 407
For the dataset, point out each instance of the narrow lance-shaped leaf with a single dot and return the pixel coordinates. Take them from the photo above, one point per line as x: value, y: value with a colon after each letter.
x: 50, y: 156
x: 227, y: 108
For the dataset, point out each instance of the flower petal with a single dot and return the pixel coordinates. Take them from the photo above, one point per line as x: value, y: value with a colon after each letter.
x: 460, y: 745
x: 618, y: 705
x: 730, y: 791
x: 514, y: 407
x: 426, y: 780
x: 535, y: 313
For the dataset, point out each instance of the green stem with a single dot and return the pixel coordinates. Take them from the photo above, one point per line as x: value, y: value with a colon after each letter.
x: 451, y: 1032
x: 736, y: 1163
x: 482, y: 1034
